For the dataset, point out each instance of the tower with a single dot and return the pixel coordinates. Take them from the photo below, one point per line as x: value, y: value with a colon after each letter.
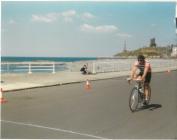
x: 125, y: 47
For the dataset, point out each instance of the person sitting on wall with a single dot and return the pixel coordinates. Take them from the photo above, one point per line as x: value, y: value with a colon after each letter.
x: 84, y: 69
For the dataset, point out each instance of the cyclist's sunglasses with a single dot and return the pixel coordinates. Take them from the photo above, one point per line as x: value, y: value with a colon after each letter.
x: 140, y: 60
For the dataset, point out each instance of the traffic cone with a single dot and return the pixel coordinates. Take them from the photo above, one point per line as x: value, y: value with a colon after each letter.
x: 87, y: 85
x: 2, y: 100
x: 168, y: 71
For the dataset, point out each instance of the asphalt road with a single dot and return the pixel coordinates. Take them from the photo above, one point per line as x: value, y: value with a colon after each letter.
x: 69, y: 111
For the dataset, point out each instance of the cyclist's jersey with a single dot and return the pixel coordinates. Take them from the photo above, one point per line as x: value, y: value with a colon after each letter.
x: 141, y: 67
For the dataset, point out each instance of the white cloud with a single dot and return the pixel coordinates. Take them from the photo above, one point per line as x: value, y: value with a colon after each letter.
x: 69, y: 13
x: 44, y: 18
x: 87, y: 28
x: 124, y: 35
x: 66, y: 16
x: 51, y: 17
x: 87, y: 15
x: 106, y: 28
x: 12, y: 21
x: 98, y: 29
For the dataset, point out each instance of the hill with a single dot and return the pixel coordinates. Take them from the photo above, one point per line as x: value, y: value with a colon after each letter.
x: 147, y: 52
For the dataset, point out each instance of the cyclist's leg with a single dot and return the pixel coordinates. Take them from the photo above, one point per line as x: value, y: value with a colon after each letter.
x: 146, y: 85
x: 146, y: 90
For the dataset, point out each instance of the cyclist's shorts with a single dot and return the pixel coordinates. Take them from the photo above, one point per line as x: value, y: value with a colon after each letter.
x: 147, y: 78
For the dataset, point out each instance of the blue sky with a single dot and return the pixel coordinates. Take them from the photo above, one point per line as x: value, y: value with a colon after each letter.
x: 83, y: 29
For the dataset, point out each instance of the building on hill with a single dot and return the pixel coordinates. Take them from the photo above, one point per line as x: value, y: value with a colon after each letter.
x: 152, y: 42
x: 174, y: 51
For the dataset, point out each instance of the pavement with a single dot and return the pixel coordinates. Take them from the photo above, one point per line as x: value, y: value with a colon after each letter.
x: 12, y: 82
x: 102, y: 112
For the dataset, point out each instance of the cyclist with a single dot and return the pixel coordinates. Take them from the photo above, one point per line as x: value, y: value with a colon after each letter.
x: 144, y: 73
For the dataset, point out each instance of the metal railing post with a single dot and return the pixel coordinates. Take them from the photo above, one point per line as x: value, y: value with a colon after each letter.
x: 53, y: 68
x: 29, y: 69
x: 93, y: 68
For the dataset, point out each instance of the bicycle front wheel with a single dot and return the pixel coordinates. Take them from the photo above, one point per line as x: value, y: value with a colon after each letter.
x: 134, y: 99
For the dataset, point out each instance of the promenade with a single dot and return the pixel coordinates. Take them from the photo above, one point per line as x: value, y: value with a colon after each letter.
x: 11, y: 82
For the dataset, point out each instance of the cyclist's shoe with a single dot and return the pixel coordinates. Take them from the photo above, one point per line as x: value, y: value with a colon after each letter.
x: 145, y: 102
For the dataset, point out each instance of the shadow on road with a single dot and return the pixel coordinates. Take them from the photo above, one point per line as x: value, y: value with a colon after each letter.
x: 151, y: 107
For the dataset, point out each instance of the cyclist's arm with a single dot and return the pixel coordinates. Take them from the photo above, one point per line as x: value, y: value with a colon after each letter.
x: 133, y: 71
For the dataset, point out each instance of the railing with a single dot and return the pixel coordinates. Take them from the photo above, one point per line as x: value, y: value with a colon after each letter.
x: 93, y: 66
x: 126, y: 64
x: 29, y: 67
x: 102, y: 67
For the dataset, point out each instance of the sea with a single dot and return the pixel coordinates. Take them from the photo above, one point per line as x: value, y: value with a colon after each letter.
x: 51, y: 59
x: 22, y: 68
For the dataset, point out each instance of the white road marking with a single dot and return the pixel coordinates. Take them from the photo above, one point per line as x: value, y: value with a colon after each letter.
x: 55, y: 129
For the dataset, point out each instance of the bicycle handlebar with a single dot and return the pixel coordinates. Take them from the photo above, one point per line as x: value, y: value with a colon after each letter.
x: 135, y: 79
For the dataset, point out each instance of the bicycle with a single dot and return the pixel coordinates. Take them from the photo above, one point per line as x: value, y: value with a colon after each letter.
x: 137, y: 96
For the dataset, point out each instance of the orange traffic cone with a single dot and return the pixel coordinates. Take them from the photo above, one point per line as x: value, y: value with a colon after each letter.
x: 2, y: 100
x: 87, y: 85
x: 168, y: 71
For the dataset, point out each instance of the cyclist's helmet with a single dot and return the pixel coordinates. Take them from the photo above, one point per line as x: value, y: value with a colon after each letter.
x: 141, y: 57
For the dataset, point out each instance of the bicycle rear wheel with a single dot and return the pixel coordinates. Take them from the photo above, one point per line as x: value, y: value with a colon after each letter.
x: 134, y: 99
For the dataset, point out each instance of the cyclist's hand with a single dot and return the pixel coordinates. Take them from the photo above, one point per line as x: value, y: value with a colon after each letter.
x: 139, y: 79
x: 142, y: 78
x: 129, y: 80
